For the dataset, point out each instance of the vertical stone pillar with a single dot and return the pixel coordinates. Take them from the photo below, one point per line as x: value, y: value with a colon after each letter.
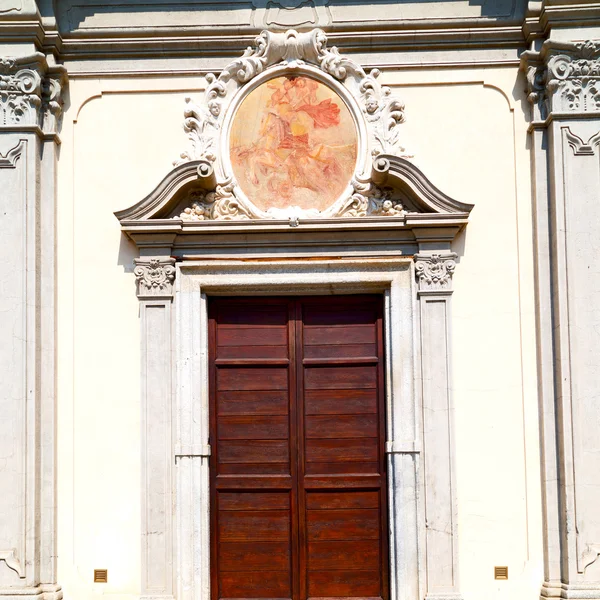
x: 155, y: 276
x: 30, y: 108
x: 564, y: 89
x: 434, y: 268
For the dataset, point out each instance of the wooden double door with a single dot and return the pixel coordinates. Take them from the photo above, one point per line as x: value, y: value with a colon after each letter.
x: 298, y: 477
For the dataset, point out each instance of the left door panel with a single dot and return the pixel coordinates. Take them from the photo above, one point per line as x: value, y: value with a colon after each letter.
x: 253, y: 462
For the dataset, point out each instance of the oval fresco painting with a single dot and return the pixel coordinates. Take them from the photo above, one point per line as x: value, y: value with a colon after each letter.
x: 293, y: 142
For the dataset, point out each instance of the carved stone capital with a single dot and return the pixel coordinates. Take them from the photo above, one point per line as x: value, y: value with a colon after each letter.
x: 434, y: 271
x: 564, y: 77
x: 154, y: 277
x: 31, y: 92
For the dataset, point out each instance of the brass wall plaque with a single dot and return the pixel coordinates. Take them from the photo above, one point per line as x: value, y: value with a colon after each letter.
x: 100, y: 575
x: 500, y: 572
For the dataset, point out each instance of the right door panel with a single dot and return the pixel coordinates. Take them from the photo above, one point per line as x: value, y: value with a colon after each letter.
x: 342, y: 475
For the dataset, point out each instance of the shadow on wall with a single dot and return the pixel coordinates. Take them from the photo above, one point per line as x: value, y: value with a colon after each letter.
x: 127, y: 252
x: 278, y: 14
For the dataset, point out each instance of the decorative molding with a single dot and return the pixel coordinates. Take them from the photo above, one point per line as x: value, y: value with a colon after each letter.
x: 377, y: 113
x: 563, y: 77
x: 9, y: 160
x: 434, y: 271
x: 154, y: 277
x: 12, y: 561
x: 536, y: 89
x: 222, y: 204
x: 193, y: 451
x: 203, y: 122
x: 20, y: 94
x: 52, y: 104
x: 402, y: 447
x: 16, y: 5
x: 588, y: 557
x: 31, y: 91
x: 580, y: 148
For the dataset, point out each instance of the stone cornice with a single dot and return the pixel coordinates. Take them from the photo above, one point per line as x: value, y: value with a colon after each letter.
x: 31, y: 92
x: 541, y: 17
x: 563, y: 78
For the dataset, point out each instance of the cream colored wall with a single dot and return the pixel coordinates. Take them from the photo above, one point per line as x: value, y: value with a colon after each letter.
x: 468, y: 134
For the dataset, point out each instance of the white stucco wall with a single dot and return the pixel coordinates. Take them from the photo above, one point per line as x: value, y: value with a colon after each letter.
x: 467, y: 130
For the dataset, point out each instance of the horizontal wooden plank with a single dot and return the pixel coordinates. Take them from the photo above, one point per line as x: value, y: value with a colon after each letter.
x: 252, y: 378
x: 258, y: 312
x: 251, y: 362
x: 356, y: 584
x: 270, y: 469
x: 332, y: 450
x: 342, y: 468
x: 336, y: 499
x: 340, y: 402
x: 257, y: 556
x: 347, y: 556
x: 351, y: 334
x: 338, y: 598
x: 252, y: 336
x: 341, y: 426
x: 256, y: 352
x: 253, y: 427
x: 233, y: 402
x: 254, y: 500
x: 330, y: 362
x: 362, y: 481
x: 253, y: 451
x: 327, y: 378
x: 242, y: 481
x: 339, y: 315
x: 343, y: 524
x: 255, y: 584
x: 339, y: 351
x: 268, y: 525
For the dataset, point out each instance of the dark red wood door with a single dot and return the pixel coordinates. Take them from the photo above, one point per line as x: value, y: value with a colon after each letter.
x: 298, y: 486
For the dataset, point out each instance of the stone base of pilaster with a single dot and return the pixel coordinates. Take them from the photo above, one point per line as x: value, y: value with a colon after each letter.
x: 570, y: 591
x: 44, y: 591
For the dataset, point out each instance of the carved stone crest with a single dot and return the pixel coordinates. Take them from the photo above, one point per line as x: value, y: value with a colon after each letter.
x: 375, y: 112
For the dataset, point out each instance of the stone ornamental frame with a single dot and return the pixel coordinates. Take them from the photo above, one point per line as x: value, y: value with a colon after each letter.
x: 374, y: 110
x: 394, y: 237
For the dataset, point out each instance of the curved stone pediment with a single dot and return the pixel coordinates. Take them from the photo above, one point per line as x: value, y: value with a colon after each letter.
x: 396, y: 188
